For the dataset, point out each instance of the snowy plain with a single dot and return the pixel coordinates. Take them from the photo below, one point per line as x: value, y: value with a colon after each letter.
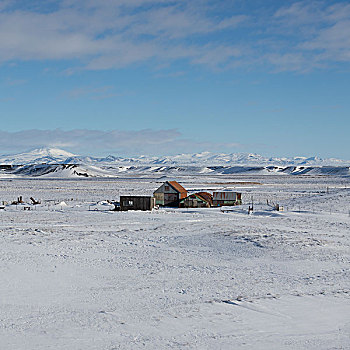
x: 78, y: 276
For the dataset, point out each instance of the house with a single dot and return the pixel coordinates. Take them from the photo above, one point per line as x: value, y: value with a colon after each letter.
x: 226, y: 198
x: 136, y: 203
x: 197, y: 200
x: 169, y: 194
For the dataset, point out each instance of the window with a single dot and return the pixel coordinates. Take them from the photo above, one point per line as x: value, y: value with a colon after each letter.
x: 166, y: 188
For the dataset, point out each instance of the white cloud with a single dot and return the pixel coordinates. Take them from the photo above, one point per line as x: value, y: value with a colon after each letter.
x: 333, y: 42
x: 319, y: 35
x: 112, y: 34
x: 116, y: 142
x: 109, y: 34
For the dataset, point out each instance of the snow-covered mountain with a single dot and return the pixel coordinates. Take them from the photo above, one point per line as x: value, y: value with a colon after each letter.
x: 37, y: 156
x: 58, y: 156
x: 53, y: 162
x: 207, y: 158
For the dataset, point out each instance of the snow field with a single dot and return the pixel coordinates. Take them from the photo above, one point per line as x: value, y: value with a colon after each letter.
x: 78, y: 278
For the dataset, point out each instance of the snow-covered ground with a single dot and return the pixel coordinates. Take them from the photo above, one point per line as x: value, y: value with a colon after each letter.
x: 78, y: 276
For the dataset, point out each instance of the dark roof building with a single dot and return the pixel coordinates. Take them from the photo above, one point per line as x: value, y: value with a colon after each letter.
x: 136, y: 203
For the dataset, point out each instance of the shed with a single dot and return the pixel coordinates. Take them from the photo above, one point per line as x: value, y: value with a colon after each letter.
x: 226, y: 198
x: 197, y: 200
x: 136, y: 203
x: 169, y: 194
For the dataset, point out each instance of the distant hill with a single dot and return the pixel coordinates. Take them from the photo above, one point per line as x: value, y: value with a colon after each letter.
x: 37, y: 156
x: 59, y: 156
x: 53, y: 162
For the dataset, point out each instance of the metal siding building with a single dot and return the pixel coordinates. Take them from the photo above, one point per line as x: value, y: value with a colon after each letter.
x: 226, y: 198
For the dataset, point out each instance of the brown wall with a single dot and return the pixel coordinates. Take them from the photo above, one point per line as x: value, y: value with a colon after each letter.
x: 136, y: 203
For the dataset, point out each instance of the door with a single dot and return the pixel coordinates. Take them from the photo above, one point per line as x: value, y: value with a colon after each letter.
x: 170, y: 198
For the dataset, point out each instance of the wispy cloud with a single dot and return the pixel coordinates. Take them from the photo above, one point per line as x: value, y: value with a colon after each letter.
x: 15, y: 82
x: 94, y: 93
x: 109, y: 34
x: 6, y: 99
x: 318, y: 33
x: 121, y: 142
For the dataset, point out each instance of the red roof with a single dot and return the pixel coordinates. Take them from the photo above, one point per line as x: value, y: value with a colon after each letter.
x: 206, y: 196
x: 176, y: 186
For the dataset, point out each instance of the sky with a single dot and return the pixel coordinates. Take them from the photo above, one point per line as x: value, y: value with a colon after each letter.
x: 156, y: 77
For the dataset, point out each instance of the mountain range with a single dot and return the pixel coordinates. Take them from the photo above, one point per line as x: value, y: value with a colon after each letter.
x: 53, y: 162
x: 59, y: 156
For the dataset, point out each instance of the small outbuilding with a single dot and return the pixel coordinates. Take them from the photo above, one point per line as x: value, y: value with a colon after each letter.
x: 226, y: 198
x: 136, y: 203
x: 169, y: 194
x: 197, y: 200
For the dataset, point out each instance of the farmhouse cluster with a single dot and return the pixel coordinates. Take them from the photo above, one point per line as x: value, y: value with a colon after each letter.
x: 172, y: 194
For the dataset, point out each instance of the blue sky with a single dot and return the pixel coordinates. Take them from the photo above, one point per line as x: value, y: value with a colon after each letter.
x: 128, y: 77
